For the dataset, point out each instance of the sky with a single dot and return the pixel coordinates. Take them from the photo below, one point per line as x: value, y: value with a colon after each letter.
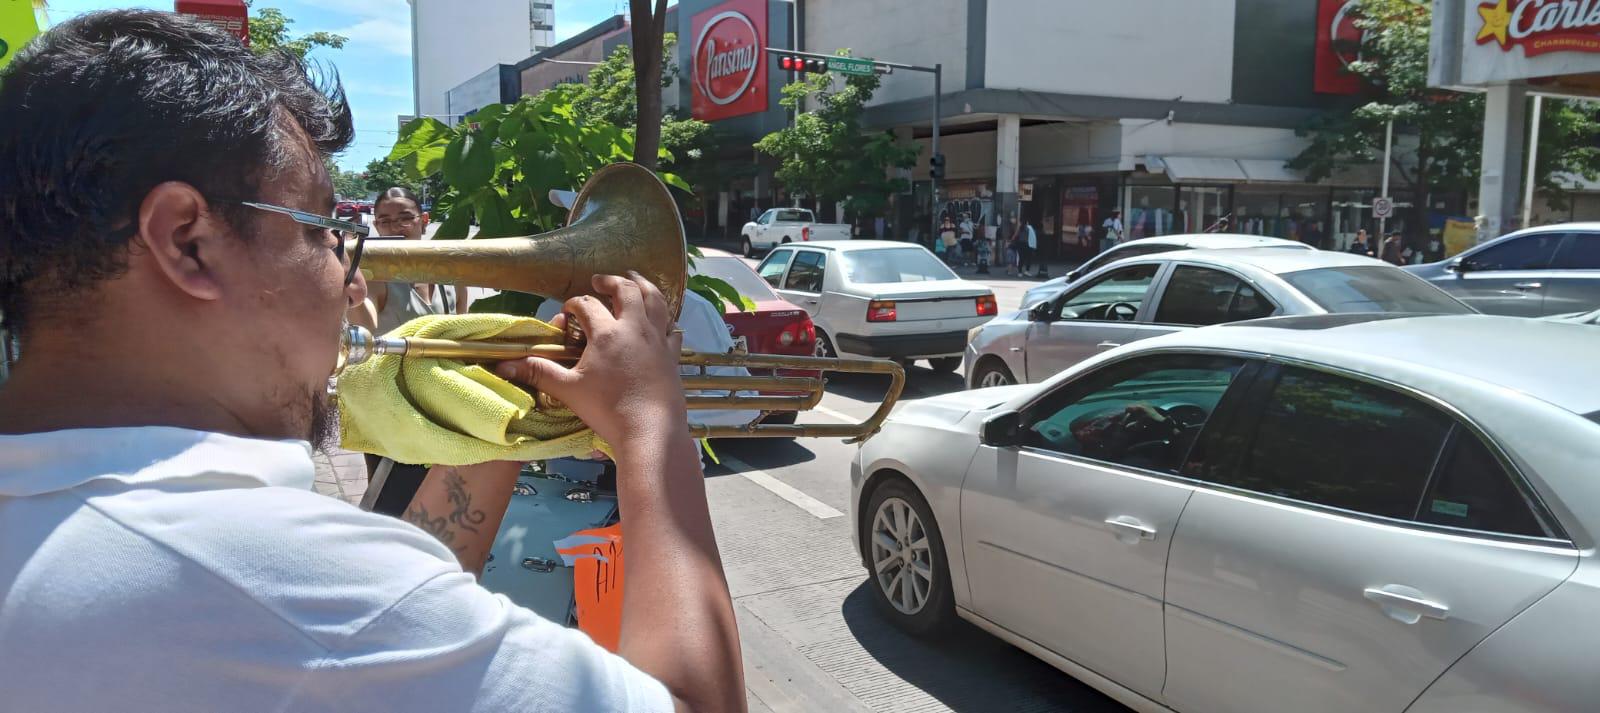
x: 375, y: 64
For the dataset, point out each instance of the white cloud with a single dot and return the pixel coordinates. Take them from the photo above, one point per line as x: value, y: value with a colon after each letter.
x: 389, y: 33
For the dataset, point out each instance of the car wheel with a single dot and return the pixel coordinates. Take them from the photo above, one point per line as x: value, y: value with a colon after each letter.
x: 992, y: 373
x: 910, y: 577
x: 824, y: 347
x: 749, y: 250
x: 945, y: 365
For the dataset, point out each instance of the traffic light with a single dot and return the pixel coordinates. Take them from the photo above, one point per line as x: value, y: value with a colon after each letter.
x: 803, y: 65
x: 936, y: 166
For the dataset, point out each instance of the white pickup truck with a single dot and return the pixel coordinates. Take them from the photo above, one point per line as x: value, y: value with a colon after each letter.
x: 787, y: 225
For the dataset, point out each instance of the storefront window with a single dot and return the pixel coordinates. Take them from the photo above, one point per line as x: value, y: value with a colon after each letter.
x: 1151, y: 212
x: 1288, y: 212
x: 1200, y: 208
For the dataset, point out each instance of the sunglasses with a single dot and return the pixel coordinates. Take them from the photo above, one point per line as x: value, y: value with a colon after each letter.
x: 344, y: 229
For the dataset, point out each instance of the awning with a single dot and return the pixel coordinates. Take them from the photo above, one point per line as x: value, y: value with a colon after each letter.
x: 1181, y: 169
x: 1268, y: 170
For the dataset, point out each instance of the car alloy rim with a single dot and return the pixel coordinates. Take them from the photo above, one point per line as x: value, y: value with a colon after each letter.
x: 821, y: 348
x: 902, y: 560
x: 994, y: 378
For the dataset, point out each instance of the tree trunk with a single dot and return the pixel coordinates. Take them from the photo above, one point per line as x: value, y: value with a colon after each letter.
x: 648, y: 30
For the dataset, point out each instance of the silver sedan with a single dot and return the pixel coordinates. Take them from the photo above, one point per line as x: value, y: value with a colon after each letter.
x: 1144, y: 297
x: 1348, y: 512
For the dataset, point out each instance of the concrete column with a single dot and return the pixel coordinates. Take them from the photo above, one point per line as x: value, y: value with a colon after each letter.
x: 723, y: 199
x: 902, y: 221
x: 1007, y: 163
x: 1505, y: 120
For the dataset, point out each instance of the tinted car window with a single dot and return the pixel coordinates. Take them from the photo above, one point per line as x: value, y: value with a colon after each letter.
x: 1580, y: 252
x: 772, y: 268
x: 1530, y: 252
x: 1372, y: 288
x: 1199, y: 296
x: 1335, y: 441
x: 1144, y: 413
x: 806, y: 275
x: 1095, y: 301
x: 1472, y: 491
x: 1125, y: 250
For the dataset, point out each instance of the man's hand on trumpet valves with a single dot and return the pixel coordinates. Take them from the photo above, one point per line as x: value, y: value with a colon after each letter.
x: 626, y: 384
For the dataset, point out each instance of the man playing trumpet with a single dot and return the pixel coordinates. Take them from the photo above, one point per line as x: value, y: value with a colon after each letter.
x: 179, y: 299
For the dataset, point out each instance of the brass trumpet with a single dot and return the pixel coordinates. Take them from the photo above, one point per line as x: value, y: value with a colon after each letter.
x: 623, y: 219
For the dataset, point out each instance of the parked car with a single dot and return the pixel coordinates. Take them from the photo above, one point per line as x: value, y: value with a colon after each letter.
x: 774, y: 326
x: 1347, y: 512
x: 1151, y: 246
x: 787, y: 225
x: 1144, y: 297
x: 876, y: 298
x: 1550, y: 269
x: 346, y: 210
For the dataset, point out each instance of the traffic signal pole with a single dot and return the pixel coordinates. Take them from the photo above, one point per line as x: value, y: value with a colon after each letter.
x: 862, y: 66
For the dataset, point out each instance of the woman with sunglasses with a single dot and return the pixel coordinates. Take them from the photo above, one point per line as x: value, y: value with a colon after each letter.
x: 398, y: 214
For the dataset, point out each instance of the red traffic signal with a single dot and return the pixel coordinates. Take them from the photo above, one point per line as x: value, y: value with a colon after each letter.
x: 802, y: 65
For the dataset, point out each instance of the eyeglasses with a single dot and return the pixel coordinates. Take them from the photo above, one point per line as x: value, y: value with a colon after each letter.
x: 341, y: 228
x: 402, y: 219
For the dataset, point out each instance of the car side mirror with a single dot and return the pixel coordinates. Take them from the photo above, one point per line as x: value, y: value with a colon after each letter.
x: 1002, y: 430
x: 1074, y: 275
x: 1040, y: 312
x: 1460, y: 265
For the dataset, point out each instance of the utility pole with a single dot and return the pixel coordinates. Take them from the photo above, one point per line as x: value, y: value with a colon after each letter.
x: 1533, y: 160
x: 1388, y: 146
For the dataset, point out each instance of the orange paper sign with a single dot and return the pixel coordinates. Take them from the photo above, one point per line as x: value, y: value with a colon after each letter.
x: 597, y: 584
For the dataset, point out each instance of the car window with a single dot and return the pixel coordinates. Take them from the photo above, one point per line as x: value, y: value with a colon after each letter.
x: 1143, y: 413
x: 1200, y: 296
x: 795, y: 216
x: 738, y: 275
x: 772, y: 268
x: 806, y: 275
x: 1580, y: 252
x: 893, y: 265
x: 766, y: 218
x: 1372, y: 288
x: 1121, y: 251
x: 1113, y: 297
x: 1472, y: 491
x: 1530, y: 252
x: 1335, y: 441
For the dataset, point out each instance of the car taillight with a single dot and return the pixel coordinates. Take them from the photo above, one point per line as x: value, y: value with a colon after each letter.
x: 987, y: 306
x: 805, y: 234
x: 786, y: 337
x: 880, y: 311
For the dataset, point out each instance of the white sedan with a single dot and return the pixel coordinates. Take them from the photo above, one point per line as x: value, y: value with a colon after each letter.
x: 877, y: 298
x: 1344, y: 512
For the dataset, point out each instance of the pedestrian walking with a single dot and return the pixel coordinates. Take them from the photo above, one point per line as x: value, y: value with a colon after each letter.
x: 1394, y: 249
x: 951, y: 245
x: 1360, y: 246
x: 1030, y: 248
x: 1113, y: 228
x: 1014, y: 245
x: 964, y: 235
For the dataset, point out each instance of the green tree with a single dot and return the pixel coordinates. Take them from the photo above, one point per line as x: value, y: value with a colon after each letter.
x: 346, y: 183
x: 610, y: 94
x: 826, y: 154
x: 499, y: 166
x: 269, y: 30
x: 1438, y: 133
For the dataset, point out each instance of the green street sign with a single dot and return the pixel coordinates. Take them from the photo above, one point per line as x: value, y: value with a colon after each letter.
x: 850, y: 65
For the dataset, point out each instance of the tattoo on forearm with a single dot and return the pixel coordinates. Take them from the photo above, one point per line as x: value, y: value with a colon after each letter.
x: 462, y: 516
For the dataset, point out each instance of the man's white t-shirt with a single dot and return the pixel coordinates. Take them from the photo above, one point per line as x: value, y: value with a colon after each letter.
x: 163, y: 569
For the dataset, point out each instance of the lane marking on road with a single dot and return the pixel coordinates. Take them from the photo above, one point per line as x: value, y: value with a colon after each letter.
x: 817, y: 508
x: 824, y: 410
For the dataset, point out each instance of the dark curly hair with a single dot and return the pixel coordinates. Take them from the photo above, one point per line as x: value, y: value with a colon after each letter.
x: 101, y: 109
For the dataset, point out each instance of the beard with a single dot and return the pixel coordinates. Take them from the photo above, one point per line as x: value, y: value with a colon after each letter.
x: 323, y: 429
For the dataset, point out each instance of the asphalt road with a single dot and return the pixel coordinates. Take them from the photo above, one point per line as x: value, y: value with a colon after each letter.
x: 812, y: 638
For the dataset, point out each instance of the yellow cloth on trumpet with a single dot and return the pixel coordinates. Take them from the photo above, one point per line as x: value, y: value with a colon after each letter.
x: 448, y: 412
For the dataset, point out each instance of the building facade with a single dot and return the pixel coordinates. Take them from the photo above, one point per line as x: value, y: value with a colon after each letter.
x: 450, y: 46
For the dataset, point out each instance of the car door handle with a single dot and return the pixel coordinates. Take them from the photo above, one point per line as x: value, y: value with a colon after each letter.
x: 1130, y: 530
x: 1107, y: 345
x: 1405, y: 604
x: 1528, y: 285
x: 810, y: 302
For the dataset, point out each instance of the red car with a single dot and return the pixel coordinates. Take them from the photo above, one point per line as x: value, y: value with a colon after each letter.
x: 775, y: 326
x: 346, y: 210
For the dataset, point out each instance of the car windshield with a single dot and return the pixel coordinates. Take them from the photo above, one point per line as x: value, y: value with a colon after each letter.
x: 1372, y: 289
x: 735, y: 272
x: 870, y: 267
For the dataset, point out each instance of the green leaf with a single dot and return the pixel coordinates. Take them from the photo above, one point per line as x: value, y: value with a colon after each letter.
x: 672, y: 179
x: 724, y: 292
x: 457, y: 223
x: 520, y: 304
x: 494, y: 216
x: 469, y: 161
x: 488, y: 119
x: 421, y: 147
